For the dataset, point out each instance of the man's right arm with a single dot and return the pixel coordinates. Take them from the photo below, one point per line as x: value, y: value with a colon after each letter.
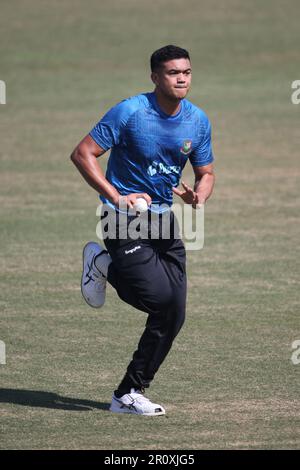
x: 84, y: 157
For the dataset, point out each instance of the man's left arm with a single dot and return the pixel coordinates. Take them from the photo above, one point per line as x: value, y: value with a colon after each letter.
x: 203, y: 187
x: 204, y: 182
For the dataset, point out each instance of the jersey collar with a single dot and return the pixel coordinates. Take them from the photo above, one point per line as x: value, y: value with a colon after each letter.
x: 160, y: 111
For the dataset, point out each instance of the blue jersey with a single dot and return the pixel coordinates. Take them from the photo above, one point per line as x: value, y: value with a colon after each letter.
x: 151, y: 148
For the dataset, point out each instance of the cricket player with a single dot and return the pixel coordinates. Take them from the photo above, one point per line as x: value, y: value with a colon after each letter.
x: 151, y: 137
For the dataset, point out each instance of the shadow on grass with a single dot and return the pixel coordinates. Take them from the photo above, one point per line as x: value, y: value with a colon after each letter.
x: 48, y: 400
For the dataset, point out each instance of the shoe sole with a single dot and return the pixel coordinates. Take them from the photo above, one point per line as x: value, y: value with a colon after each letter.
x: 132, y: 412
x: 82, y: 293
x: 160, y: 413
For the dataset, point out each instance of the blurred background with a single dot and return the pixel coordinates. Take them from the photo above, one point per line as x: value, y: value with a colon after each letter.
x: 229, y: 381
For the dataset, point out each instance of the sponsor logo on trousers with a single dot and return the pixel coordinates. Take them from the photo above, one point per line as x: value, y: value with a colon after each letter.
x: 132, y: 250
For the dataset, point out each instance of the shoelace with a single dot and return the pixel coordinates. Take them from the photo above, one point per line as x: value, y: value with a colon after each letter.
x: 141, y: 398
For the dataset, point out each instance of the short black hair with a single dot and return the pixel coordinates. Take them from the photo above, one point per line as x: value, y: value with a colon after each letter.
x: 167, y: 53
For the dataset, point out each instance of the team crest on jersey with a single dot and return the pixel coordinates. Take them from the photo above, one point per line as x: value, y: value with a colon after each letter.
x: 187, y: 147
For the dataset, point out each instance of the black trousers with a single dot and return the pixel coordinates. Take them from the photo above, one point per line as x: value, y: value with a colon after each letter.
x: 150, y: 275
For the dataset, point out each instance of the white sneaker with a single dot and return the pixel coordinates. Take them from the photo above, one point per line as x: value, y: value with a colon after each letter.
x: 135, y: 403
x: 93, y: 280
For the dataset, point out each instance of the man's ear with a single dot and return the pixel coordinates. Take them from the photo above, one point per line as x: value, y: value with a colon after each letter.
x: 154, y: 78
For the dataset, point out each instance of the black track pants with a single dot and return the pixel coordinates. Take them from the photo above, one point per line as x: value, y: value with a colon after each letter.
x: 150, y: 275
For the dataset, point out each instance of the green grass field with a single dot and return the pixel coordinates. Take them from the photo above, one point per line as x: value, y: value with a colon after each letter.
x: 229, y: 381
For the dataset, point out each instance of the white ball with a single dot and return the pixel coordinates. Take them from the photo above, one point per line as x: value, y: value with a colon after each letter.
x: 140, y: 205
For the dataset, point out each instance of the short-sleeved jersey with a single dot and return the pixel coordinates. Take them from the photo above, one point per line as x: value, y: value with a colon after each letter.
x: 149, y: 148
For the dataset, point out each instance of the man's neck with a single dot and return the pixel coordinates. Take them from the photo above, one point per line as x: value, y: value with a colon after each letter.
x: 168, y: 106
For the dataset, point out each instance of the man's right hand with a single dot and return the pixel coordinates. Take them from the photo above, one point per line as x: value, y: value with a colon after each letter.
x: 129, y: 200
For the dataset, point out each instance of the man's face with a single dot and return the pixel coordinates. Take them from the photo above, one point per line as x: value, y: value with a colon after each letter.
x: 173, y: 79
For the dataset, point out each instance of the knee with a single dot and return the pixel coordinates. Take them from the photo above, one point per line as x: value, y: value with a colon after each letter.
x: 178, y: 320
x: 158, y: 298
x: 163, y: 297
x: 173, y: 322
x: 171, y: 311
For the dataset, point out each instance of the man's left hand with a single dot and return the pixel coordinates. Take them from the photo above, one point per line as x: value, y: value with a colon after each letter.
x: 189, y: 196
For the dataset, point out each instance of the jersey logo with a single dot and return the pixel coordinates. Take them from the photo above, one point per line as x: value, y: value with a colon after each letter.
x: 187, y: 147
